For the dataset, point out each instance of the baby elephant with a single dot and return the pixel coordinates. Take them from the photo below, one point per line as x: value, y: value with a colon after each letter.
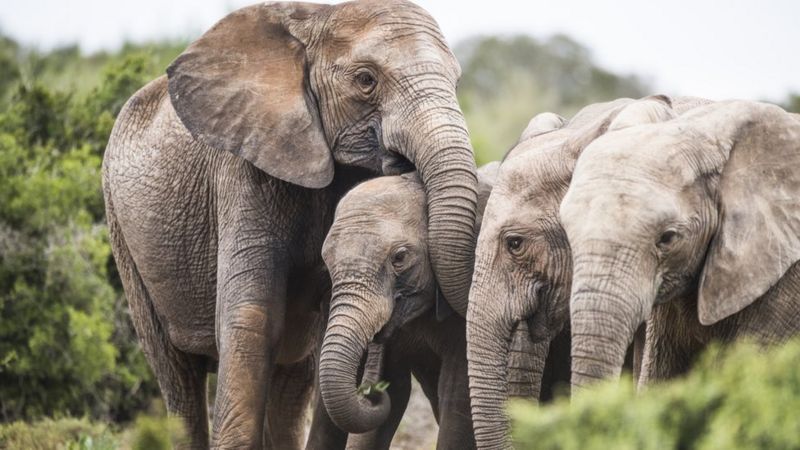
x: 385, y: 297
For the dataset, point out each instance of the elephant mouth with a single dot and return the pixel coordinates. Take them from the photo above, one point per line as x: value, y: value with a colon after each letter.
x: 407, y: 308
x: 394, y: 163
x: 537, y: 330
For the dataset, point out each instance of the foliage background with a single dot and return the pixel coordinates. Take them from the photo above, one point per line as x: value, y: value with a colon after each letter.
x: 738, y: 398
x: 67, y: 348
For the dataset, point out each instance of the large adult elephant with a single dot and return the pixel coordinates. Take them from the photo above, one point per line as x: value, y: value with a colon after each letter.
x: 518, y: 320
x: 695, y: 220
x: 221, y: 180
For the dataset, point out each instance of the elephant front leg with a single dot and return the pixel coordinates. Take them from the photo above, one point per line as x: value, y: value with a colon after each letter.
x: 250, y: 316
x: 455, y: 419
x: 289, y: 397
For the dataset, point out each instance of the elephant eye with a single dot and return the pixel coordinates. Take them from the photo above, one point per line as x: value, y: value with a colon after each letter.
x: 667, y: 239
x: 514, y: 244
x: 399, y: 257
x: 366, y: 81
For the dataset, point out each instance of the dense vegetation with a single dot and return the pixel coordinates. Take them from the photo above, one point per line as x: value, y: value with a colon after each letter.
x: 67, y: 348
x: 739, y: 398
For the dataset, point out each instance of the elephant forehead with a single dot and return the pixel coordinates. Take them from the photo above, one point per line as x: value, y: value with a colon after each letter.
x: 537, y: 178
x: 391, y: 34
x: 386, y: 197
x: 669, y: 155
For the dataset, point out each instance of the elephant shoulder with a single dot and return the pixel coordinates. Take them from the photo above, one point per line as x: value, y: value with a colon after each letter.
x: 147, y: 124
x: 143, y: 106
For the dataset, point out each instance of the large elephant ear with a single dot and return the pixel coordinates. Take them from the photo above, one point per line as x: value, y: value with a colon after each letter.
x: 487, y: 176
x: 758, y: 234
x: 241, y: 87
x: 615, y: 115
x: 542, y: 123
x: 652, y: 109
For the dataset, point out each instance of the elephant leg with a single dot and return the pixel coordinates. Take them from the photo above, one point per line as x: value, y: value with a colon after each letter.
x: 455, y: 419
x: 247, y: 345
x: 290, y: 392
x: 426, y: 370
x: 181, y: 376
x: 555, y: 378
x: 399, y: 390
x: 182, y: 380
x: 184, y: 388
x: 324, y: 434
x: 251, y: 307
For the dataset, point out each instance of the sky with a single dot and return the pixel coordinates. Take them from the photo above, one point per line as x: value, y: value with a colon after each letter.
x: 712, y: 48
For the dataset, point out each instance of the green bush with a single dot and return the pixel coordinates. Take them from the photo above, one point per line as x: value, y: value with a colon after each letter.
x: 66, y: 344
x: 792, y: 103
x: 156, y: 433
x: 739, y: 398
x: 66, y: 434
x: 151, y: 431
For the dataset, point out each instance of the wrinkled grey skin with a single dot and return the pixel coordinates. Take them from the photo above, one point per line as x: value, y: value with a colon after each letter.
x: 384, y: 294
x: 518, y: 302
x: 701, y: 228
x: 518, y: 320
x: 221, y: 180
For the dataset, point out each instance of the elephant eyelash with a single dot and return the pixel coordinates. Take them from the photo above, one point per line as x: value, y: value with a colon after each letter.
x: 399, y: 258
x: 514, y: 244
x: 366, y: 80
x: 668, y: 239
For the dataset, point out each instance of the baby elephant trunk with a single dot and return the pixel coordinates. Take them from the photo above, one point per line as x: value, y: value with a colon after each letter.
x: 353, y: 407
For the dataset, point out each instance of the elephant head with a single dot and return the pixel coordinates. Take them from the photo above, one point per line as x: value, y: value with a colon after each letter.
x: 699, y: 208
x: 516, y: 302
x: 519, y: 300
x: 298, y: 88
x: 377, y: 254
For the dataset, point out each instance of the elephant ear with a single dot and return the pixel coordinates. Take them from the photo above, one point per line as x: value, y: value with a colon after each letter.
x: 652, y: 109
x: 242, y: 88
x: 615, y: 115
x: 487, y: 175
x: 542, y: 123
x: 758, y: 234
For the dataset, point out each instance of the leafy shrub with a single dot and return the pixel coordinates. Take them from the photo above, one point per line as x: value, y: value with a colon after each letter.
x: 151, y: 431
x: 156, y: 431
x: 739, y: 398
x: 792, y: 103
x: 48, y: 434
x: 66, y: 345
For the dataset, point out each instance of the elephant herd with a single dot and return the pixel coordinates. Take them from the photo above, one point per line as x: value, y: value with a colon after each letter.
x: 295, y: 206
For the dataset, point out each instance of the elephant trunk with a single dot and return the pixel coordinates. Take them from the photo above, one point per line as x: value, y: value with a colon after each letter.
x: 526, y: 361
x: 436, y: 140
x: 349, y: 333
x: 605, y: 312
x: 502, y: 361
x: 487, y: 362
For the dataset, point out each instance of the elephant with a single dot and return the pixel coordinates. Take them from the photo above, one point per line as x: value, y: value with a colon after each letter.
x: 385, y: 303
x: 221, y: 179
x: 518, y: 307
x: 691, y: 224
